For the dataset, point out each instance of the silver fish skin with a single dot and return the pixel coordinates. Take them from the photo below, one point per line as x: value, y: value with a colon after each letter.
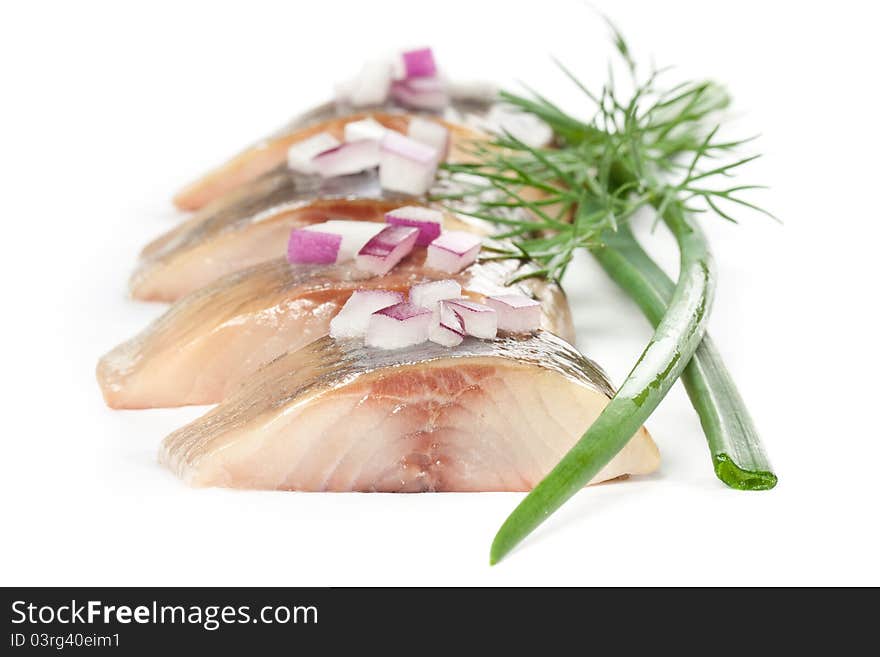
x: 207, y: 343
x: 339, y: 416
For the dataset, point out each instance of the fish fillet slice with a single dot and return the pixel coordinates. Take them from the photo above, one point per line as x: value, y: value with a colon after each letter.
x: 337, y: 416
x: 208, y: 342
x: 271, y: 152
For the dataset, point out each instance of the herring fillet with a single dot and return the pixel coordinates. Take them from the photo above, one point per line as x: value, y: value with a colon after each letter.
x: 201, y: 349
x: 237, y: 237
x: 338, y: 416
x: 269, y: 153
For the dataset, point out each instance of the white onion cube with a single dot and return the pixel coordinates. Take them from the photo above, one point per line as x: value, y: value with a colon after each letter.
x: 350, y: 157
x: 517, y: 313
x: 406, y: 165
x: 446, y: 328
x: 478, y: 320
x: 301, y: 154
x: 372, y: 84
x: 431, y: 133
x: 453, y: 251
x: 354, y: 317
x: 368, y: 128
x: 397, y: 326
x: 429, y: 295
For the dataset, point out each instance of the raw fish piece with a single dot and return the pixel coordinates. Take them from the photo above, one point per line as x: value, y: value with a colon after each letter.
x: 271, y: 152
x: 339, y: 416
x: 208, y: 342
x: 251, y: 228
x: 253, y: 225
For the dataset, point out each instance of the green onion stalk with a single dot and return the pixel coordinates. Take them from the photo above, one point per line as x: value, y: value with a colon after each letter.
x: 646, y: 151
x: 738, y: 457
x: 675, y: 340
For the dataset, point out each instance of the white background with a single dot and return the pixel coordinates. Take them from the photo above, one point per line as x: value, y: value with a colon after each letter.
x: 108, y: 107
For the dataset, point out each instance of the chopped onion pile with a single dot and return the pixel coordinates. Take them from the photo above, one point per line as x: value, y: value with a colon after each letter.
x: 350, y: 157
x: 336, y: 240
x: 435, y: 311
x: 429, y: 222
x: 410, y: 77
x: 406, y: 165
x: 478, y: 320
x: 453, y: 251
x: 300, y: 156
x: 354, y: 317
x: 390, y: 246
x: 516, y: 312
x: 400, y: 325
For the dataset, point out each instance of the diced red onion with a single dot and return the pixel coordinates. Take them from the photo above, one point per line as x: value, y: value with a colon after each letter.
x: 401, y: 325
x: 446, y: 328
x: 353, y: 234
x: 406, y: 165
x: 429, y: 222
x: 372, y: 84
x: 421, y: 93
x: 354, y: 317
x: 478, y: 320
x: 301, y: 154
x: 516, y: 312
x: 368, y: 128
x: 453, y: 251
x: 313, y: 247
x: 429, y: 295
x: 419, y: 63
x: 382, y: 252
x: 431, y: 133
x: 350, y: 157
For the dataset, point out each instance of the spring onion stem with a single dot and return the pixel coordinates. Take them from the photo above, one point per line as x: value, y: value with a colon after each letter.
x: 737, y: 454
x: 674, y: 342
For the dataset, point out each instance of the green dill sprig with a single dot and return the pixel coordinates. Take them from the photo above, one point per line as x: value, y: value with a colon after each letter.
x: 654, y: 147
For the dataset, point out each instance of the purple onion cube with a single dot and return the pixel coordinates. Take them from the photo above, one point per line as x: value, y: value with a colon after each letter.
x: 390, y: 246
x: 405, y: 165
x: 517, y: 313
x: 400, y: 325
x: 453, y: 251
x: 353, y: 318
x: 419, y: 63
x: 477, y: 319
x: 301, y: 154
x: 428, y: 222
x: 421, y: 93
x: 313, y: 247
x: 350, y: 157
